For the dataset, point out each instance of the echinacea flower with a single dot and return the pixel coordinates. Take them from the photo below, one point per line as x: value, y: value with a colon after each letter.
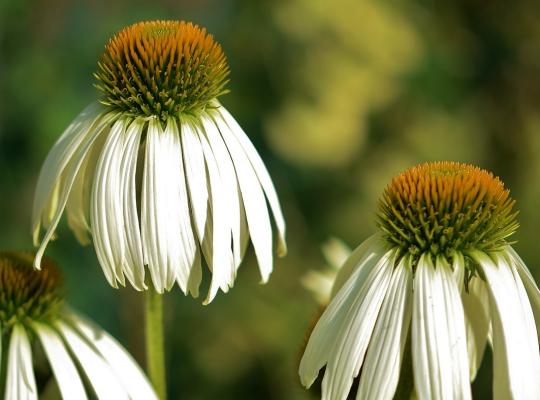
x: 158, y: 169
x: 34, y: 320
x: 441, y: 276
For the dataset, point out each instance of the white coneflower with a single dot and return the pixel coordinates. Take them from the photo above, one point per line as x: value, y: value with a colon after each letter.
x: 158, y: 169
x: 84, y: 359
x: 442, y: 273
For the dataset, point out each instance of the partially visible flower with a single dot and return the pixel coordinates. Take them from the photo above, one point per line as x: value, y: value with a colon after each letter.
x: 441, y: 275
x: 84, y: 359
x: 319, y: 283
x: 159, y: 170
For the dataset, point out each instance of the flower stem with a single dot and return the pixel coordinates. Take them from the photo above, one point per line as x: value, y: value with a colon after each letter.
x: 155, y: 355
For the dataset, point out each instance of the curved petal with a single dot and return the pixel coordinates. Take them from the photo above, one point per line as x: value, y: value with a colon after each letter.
x: 65, y: 372
x: 516, y: 358
x: 262, y: 175
x: 20, y: 380
x: 221, y: 262
x: 99, y: 373
x: 439, y: 346
x: 106, y: 217
x: 342, y: 334
x: 260, y: 228
x: 67, y: 179
x: 122, y: 364
x: 381, y: 370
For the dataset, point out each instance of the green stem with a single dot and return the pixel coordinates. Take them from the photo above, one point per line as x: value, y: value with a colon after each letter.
x: 155, y: 354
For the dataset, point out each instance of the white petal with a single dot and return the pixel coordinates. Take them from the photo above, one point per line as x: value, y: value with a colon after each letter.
x: 477, y: 322
x: 106, y: 217
x: 530, y: 285
x: 155, y: 208
x: 196, y: 176
x: 516, y: 358
x: 99, y: 373
x: 370, y: 248
x: 55, y: 163
x: 20, y: 381
x: 134, y: 262
x: 231, y: 195
x: 222, y: 262
x: 259, y: 225
x: 182, y: 248
x: 439, y: 349
x: 341, y: 336
x: 380, y: 372
x: 262, y: 175
x: 66, y: 179
x: 122, y: 364
x: 65, y: 372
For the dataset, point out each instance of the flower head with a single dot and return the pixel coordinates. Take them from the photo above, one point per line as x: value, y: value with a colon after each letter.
x: 440, y: 275
x: 33, y: 314
x: 159, y: 171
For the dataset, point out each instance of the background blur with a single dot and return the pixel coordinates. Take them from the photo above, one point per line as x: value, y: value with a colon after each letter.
x: 337, y: 96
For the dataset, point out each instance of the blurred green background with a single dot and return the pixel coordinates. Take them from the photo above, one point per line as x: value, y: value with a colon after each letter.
x: 338, y: 96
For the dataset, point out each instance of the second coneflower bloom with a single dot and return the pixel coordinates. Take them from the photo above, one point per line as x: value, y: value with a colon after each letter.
x: 441, y: 277
x: 158, y: 170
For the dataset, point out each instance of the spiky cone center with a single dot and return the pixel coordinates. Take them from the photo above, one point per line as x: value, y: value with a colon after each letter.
x: 446, y: 207
x: 27, y: 295
x: 161, y: 69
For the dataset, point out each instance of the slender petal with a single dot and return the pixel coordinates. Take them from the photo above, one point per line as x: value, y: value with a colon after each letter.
x: 222, y: 262
x: 155, y: 208
x: 106, y: 217
x: 70, y: 171
x: 260, y: 228
x: 262, y: 175
x: 134, y: 261
x: 439, y: 346
x: 122, y: 364
x: 341, y: 336
x: 195, y: 176
x: 530, y: 284
x: 67, y: 377
x: 516, y: 358
x: 99, y: 373
x: 380, y: 372
x: 55, y: 163
x: 231, y: 195
x: 20, y: 381
x: 182, y: 247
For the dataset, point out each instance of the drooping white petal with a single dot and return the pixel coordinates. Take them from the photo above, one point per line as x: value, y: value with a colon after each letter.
x: 380, y: 372
x: 155, y: 208
x: 341, y: 336
x: 222, y: 261
x: 182, y: 248
x: 20, y: 380
x: 477, y: 322
x: 262, y: 175
x: 232, y: 193
x: 134, y: 261
x: 516, y: 358
x: 530, y: 284
x: 106, y: 216
x: 195, y: 176
x: 99, y: 373
x: 439, y: 349
x: 65, y: 372
x: 122, y: 364
x: 260, y: 228
x: 66, y: 178
x: 370, y: 248
x: 55, y: 163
